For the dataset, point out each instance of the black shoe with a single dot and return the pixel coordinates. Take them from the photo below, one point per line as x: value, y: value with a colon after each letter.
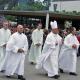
x: 61, y: 70
x: 2, y: 71
x: 21, y: 77
x: 74, y: 74
x: 8, y: 76
x: 32, y: 63
x: 46, y: 74
x: 55, y: 77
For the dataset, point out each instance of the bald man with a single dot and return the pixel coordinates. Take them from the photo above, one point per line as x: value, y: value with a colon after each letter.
x: 17, y: 47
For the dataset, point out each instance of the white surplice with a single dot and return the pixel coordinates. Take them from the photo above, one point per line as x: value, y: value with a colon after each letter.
x: 49, y: 58
x: 15, y: 61
x: 4, y: 37
x: 68, y: 55
x: 35, y: 51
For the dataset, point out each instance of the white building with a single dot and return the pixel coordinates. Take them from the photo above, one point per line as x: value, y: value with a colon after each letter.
x: 65, y: 6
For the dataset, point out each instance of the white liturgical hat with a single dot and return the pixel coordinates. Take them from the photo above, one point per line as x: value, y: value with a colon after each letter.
x: 53, y: 24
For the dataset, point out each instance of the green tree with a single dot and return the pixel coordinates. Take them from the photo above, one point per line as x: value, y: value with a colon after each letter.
x: 35, y: 6
x: 47, y: 4
x: 10, y: 3
x: 4, y: 2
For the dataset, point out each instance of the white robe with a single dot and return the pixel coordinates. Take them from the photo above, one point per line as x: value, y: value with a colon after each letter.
x: 4, y: 37
x: 37, y: 37
x: 15, y: 63
x: 49, y: 58
x: 68, y: 55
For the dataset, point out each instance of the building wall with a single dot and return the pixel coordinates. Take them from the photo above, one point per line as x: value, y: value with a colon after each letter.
x: 65, y: 5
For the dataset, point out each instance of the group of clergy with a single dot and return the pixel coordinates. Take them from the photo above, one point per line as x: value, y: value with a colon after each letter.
x: 56, y: 55
x: 13, y: 49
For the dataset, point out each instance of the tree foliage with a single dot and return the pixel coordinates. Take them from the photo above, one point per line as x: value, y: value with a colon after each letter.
x: 4, y: 2
x: 10, y: 3
x: 28, y: 5
x: 35, y: 6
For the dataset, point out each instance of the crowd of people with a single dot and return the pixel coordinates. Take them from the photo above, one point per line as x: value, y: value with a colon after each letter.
x: 53, y: 50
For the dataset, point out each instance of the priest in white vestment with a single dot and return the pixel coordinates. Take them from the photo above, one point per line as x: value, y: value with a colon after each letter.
x: 5, y: 34
x: 68, y: 53
x: 17, y: 47
x: 37, y: 42
x: 49, y: 58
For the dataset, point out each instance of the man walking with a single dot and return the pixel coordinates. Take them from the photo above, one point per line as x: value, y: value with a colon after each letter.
x: 49, y: 58
x: 17, y: 47
x: 5, y: 34
x: 37, y: 41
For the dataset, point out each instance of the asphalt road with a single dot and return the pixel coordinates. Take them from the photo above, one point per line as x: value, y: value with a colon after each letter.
x: 32, y: 74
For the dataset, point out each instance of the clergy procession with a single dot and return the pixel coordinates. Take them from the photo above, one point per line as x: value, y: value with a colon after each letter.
x: 54, y: 54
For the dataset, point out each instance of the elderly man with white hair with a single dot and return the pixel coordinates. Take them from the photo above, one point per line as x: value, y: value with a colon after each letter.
x: 49, y: 58
x: 17, y: 47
